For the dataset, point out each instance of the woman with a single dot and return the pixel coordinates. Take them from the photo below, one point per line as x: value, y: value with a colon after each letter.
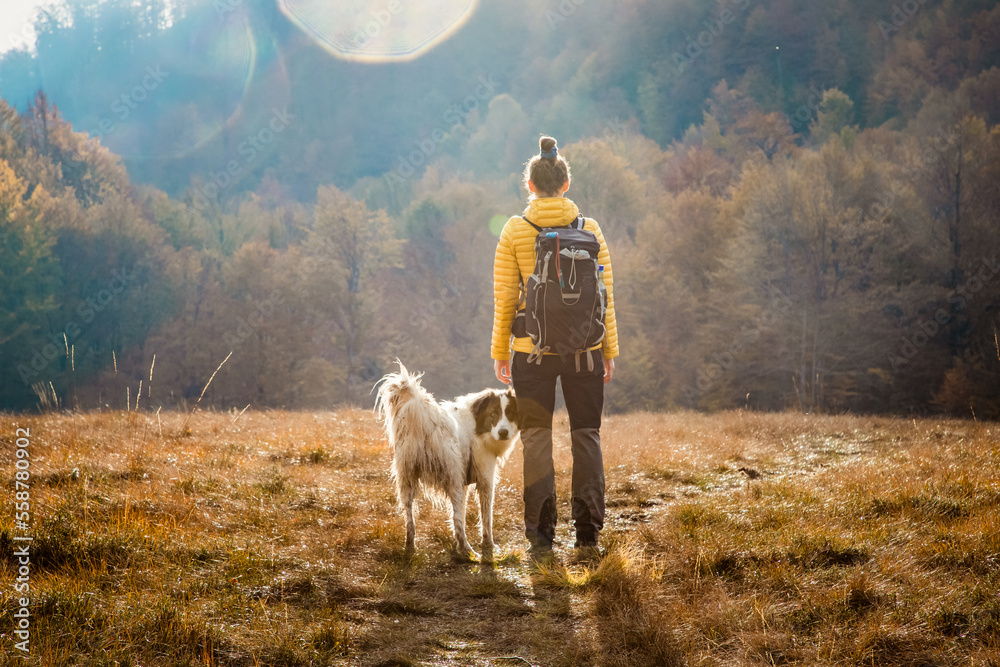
x: 547, y: 178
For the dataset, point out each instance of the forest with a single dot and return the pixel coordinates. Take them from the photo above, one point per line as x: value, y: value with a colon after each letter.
x: 801, y: 199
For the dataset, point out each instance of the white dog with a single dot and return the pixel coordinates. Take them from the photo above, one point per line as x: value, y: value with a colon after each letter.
x: 446, y: 447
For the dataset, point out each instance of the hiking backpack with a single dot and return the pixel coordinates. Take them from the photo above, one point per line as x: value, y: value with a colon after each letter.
x: 564, y: 298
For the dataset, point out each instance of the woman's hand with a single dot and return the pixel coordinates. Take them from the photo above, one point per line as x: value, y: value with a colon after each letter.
x: 609, y: 370
x: 502, y: 369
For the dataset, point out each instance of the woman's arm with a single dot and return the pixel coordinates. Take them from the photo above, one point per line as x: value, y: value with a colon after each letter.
x: 610, y: 347
x: 506, y: 282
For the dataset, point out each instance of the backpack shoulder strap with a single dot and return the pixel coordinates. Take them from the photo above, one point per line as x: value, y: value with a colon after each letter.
x: 537, y: 228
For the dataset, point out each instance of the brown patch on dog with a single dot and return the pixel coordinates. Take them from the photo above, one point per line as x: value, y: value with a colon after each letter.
x: 486, y: 410
x: 512, y: 415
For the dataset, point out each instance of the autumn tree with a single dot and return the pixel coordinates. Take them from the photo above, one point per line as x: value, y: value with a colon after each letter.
x: 349, y: 251
x: 836, y: 111
x: 959, y: 160
x: 29, y: 285
x: 809, y: 254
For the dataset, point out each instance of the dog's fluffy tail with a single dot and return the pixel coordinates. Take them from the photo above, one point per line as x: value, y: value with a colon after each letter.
x: 394, y: 391
x: 414, y: 425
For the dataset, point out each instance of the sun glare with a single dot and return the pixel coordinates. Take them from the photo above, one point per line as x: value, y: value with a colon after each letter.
x: 378, y: 31
x: 228, y: 58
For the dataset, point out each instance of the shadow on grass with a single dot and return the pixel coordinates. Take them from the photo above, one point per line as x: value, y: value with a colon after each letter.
x: 433, y: 610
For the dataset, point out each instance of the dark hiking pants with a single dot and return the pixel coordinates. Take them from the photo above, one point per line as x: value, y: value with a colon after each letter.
x: 535, y: 386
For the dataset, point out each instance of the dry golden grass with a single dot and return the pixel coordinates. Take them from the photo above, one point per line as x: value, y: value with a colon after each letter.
x: 272, y: 539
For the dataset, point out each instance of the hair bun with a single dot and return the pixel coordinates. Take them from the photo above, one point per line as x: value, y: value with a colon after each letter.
x: 547, y: 148
x: 546, y: 174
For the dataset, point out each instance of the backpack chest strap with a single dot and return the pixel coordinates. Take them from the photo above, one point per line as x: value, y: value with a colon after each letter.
x: 576, y: 224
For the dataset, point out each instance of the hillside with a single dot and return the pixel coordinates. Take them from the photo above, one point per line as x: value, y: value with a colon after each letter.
x: 512, y: 70
x: 801, y: 201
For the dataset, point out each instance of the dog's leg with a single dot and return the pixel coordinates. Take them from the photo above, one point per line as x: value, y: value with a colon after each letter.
x: 458, y: 522
x: 485, y: 490
x: 406, y: 496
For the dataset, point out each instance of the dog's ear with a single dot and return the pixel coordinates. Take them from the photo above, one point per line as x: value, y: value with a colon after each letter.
x: 486, y: 409
x: 512, y: 410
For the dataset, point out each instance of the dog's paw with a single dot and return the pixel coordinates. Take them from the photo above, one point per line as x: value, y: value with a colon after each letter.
x: 466, y: 556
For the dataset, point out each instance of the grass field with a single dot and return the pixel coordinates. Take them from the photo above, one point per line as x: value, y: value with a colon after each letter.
x: 272, y: 539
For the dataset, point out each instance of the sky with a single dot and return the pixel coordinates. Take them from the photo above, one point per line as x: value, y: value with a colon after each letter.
x: 16, y: 18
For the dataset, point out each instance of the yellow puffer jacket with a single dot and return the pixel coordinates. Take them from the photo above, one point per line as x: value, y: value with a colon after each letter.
x: 515, y: 260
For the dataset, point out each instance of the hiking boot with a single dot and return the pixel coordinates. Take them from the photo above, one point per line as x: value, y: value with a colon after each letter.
x: 588, y: 556
x: 541, y: 555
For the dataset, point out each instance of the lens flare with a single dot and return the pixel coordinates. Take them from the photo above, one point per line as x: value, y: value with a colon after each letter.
x: 378, y: 31
x: 497, y: 222
x: 199, y: 93
x: 221, y: 61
